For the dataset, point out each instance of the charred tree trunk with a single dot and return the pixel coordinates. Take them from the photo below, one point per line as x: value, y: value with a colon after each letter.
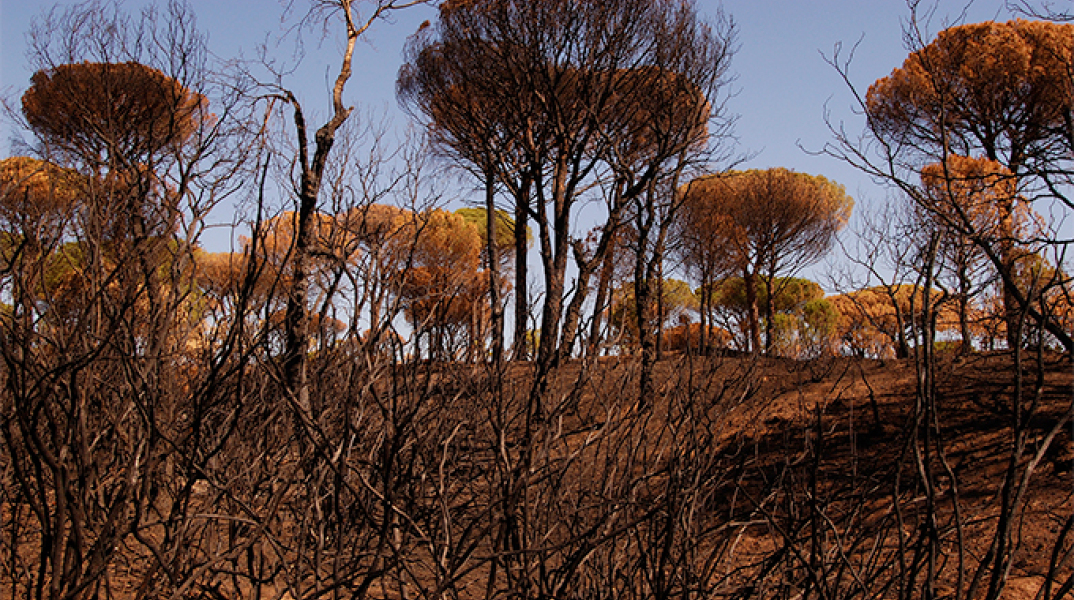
x: 296, y: 319
x: 492, y: 249
x: 555, y: 262
x: 769, y: 316
x: 522, y: 306
x: 601, y: 301
x: 753, y: 325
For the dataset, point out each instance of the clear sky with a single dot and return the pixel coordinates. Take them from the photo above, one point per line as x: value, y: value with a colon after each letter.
x: 783, y: 86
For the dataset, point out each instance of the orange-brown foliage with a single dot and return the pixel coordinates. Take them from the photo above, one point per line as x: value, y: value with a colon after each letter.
x: 686, y: 338
x: 869, y: 319
x: 31, y: 189
x: 974, y: 195
x: 774, y: 213
x: 126, y: 113
x: 978, y: 83
x: 443, y: 281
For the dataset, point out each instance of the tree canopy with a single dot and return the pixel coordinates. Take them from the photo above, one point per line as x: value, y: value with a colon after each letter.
x: 111, y: 115
x: 504, y: 226
x: 36, y: 199
x: 544, y: 98
x: 676, y: 299
x: 1000, y: 89
x: 763, y: 224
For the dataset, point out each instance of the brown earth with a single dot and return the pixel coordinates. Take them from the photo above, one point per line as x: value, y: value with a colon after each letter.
x: 828, y: 466
x: 854, y: 419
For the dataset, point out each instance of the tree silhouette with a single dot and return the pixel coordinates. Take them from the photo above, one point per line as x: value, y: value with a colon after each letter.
x: 1000, y: 89
x: 766, y: 224
x: 111, y: 116
x: 441, y: 283
x: 996, y: 90
x: 547, y: 93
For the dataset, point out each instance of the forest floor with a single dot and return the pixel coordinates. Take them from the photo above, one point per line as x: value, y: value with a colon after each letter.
x: 846, y: 436
x: 860, y: 419
x: 856, y: 443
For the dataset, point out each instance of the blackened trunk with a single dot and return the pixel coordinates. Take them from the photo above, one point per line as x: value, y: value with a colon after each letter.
x: 492, y: 250
x: 522, y: 307
x: 753, y: 325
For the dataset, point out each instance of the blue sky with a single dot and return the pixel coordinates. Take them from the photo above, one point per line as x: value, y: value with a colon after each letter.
x: 783, y: 86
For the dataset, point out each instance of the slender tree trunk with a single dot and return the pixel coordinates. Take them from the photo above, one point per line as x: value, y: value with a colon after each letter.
x: 1012, y: 309
x: 555, y: 262
x: 372, y: 292
x: 658, y: 257
x: 522, y: 306
x: 492, y: 250
x: 902, y: 345
x: 600, y: 309
x: 296, y: 318
x: 769, y: 316
x: 964, y: 325
x: 749, y: 281
x: 602, y: 255
x: 642, y: 305
x: 703, y: 317
x: 548, y: 269
x: 572, y: 319
x: 645, y: 307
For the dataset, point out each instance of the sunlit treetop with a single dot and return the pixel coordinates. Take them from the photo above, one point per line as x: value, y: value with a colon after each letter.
x: 997, y: 88
x: 880, y: 302
x: 373, y: 224
x: 504, y: 226
x: 446, y: 242
x: 771, y: 202
x: 31, y: 189
x: 978, y: 196
x: 791, y: 293
x: 111, y: 115
x: 970, y: 176
x: 442, y: 268
x: 975, y: 187
x: 279, y: 238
